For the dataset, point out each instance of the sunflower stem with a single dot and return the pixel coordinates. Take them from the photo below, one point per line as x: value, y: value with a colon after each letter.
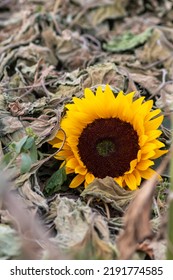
x: 170, y: 208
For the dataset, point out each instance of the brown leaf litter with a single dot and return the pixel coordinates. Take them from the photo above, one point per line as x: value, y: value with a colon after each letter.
x: 49, y: 53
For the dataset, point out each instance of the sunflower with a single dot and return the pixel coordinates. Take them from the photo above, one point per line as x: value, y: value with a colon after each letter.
x: 110, y: 136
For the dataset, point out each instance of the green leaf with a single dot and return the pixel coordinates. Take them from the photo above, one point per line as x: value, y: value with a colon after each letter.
x: 7, y: 158
x: 17, y: 146
x: 29, y: 143
x: 55, y: 182
x: 25, y: 163
x: 33, y: 153
x: 127, y: 41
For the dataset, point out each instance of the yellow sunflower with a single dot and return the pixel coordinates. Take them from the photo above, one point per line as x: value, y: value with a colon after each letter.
x: 110, y: 136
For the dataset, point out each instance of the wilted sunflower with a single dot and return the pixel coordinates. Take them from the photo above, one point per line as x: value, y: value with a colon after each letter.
x: 110, y: 136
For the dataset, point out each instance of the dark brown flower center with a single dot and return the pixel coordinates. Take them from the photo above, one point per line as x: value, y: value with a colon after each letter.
x: 107, y: 146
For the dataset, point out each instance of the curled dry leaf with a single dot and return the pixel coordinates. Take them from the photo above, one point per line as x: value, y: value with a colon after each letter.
x: 29, y: 229
x: 78, y: 227
x: 137, y: 225
x: 49, y: 52
x: 108, y: 191
x: 159, y: 48
x: 31, y: 198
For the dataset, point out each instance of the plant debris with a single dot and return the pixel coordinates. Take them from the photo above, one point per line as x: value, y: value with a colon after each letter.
x: 50, y: 51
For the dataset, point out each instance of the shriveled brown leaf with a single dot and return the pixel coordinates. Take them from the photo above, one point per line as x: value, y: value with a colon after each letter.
x: 158, y: 249
x: 49, y: 52
x: 81, y: 232
x: 34, y: 241
x: 137, y: 225
x: 96, y: 243
x: 154, y: 52
x: 31, y: 198
x: 10, y: 243
x: 108, y: 191
x: 146, y: 248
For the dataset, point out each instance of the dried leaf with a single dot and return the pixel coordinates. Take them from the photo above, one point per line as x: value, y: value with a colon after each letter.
x: 9, y: 125
x: 10, y: 244
x: 77, y: 228
x: 109, y: 11
x: 108, y: 191
x: 30, y: 230
x: 96, y: 244
x: 162, y: 51
x: 158, y: 248
x: 137, y: 225
x: 32, y: 198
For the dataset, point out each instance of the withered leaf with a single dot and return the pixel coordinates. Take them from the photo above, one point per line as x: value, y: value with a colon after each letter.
x: 10, y: 244
x: 78, y: 228
x: 108, y: 191
x: 137, y: 226
x: 32, y: 198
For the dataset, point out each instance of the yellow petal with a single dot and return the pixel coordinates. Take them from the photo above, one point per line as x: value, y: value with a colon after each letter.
x: 137, y: 176
x: 142, y: 140
x: 147, y: 174
x: 158, y: 144
x: 89, y: 178
x: 72, y: 163
x: 58, y: 145
x: 130, y: 96
x: 119, y: 181
x: 88, y: 93
x: 148, y: 155
x: 67, y: 153
x: 154, y: 124
x: 153, y: 134
x: 159, y: 153
x: 143, y: 165
x: 148, y: 147
x: 81, y: 170
x: 138, y: 125
x: 99, y: 93
x: 153, y: 114
x: 133, y: 164
x: 137, y: 104
x: 77, y: 181
x: 146, y: 107
x: 131, y: 181
x: 69, y: 170
x: 53, y: 142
